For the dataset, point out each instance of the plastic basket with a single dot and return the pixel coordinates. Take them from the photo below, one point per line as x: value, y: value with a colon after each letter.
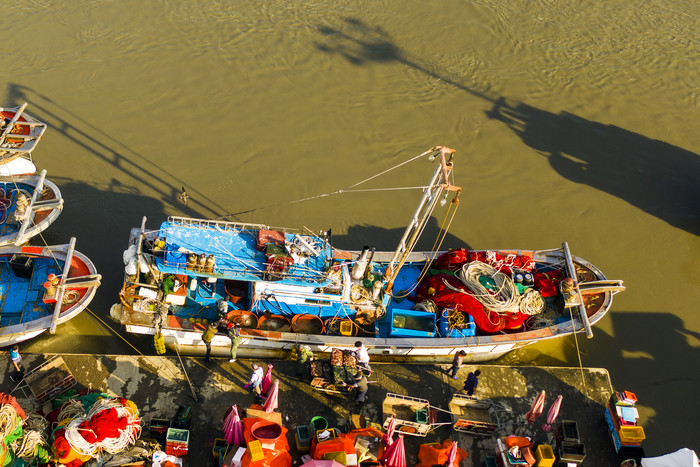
x: 631, y: 434
x: 544, y: 456
x: 178, y: 435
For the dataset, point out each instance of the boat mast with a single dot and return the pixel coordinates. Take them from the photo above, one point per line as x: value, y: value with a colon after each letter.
x: 431, y: 195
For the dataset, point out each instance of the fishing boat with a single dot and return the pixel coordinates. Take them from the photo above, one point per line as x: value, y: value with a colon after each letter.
x: 288, y: 287
x: 28, y: 205
x: 19, y: 135
x: 42, y: 287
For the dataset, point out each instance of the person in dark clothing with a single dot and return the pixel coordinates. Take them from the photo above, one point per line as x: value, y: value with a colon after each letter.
x: 471, y: 382
x: 456, y: 363
x: 361, y: 386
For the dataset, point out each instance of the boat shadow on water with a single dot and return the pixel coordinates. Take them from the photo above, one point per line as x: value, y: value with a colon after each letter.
x: 656, y: 177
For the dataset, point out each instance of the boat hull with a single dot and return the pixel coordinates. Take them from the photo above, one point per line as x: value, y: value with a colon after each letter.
x: 46, y: 209
x: 274, y: 300
x: 26, y: 311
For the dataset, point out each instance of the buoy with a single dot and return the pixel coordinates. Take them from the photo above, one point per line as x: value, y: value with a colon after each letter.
x: 159, y: 343
x: 191, y: 261
x: 358, y: 270
x: 210, y: 264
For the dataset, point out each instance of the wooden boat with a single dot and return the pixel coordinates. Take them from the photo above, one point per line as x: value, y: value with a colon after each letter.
x: 19, y: 135
x: 399, y: 304
x: 42, y: 287
x: 28, y: 205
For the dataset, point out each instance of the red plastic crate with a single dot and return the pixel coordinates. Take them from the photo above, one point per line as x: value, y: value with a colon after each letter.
x: 176, y: 449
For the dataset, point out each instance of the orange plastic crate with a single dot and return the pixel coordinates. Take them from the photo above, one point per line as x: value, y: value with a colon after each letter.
x: 544, y: 455
x: 631, y: 434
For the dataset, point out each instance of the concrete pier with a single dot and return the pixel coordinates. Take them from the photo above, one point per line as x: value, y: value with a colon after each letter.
x: 158, y: 386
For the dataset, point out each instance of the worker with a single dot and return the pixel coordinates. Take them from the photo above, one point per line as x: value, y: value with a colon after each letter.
x: 255, y: 383
x: 304, y: 358
x: 362, y: 357
x: 456, y: 363
x: 207, y: 337
x: 361, y: 386
x: 233, y: 330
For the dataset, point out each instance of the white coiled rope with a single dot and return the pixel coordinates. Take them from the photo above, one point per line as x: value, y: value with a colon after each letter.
x: 8, y: 420
x: 127, y: 435
x: 506, y: 298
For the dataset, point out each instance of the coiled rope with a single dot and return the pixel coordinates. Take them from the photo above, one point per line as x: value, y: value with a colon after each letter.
x: 35, y: 427
x: 8, y: 420
x: 506, y: 298
x: 127, y: 435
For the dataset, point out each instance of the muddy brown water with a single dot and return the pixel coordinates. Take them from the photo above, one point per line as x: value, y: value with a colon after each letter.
x: 572, y: 120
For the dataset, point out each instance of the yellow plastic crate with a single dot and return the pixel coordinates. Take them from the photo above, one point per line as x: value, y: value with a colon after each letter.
x: 255, y: 450
x: 544, y: 456
x: 631, y: 434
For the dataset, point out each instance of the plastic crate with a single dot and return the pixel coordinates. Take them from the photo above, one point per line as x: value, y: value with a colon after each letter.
x: 333, y: 431
x: 422, y: 416
x: 569, y: 432
x: 544, y: 456
x: 178, y: 435
x: 303, y: 433
x: 574, y: 453
x: 158, y: 428
x: 631, y: 434
x: 255, y: 450
x: 176, y: 449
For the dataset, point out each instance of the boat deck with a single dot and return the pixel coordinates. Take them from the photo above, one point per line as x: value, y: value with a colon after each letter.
x: 22, y: 289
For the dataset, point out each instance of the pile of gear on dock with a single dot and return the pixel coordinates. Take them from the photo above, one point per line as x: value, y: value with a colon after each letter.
x: 80, y: 427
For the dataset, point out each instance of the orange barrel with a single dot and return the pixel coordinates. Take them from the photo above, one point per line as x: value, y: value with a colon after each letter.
x: 307, y: 324
x: 274, y: 323
x: 246, y: 319
x: 235, y: 290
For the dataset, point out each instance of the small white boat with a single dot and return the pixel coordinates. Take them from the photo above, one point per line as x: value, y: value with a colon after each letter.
x: 289, y: 287
x: 19, y: 135
x: 28, y: 205
x: 42, y: 287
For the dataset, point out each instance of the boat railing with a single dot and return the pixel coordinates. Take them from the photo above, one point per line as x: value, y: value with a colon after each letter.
x: 35, y: 205
x: 225, y: 225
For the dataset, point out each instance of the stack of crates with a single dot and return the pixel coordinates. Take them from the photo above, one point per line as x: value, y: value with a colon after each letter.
x: 176, y: 442
x: 570, y: 449
x: 621, y: 417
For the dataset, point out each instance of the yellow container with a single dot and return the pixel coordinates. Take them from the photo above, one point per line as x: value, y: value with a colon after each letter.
x: 631, y: 434
x: 544, y: 456
x: 255, y: 450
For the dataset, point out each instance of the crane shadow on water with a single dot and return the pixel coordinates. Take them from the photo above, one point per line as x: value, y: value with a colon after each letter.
x: 656, y: 177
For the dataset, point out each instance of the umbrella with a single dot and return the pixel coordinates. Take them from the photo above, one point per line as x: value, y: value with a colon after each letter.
x: 553, y: 413
x: 537, y: 408
x: 322, y: 463
x: 272, y: 398
x: 395, y: 455
x: 684, y: 457
x: 389, y: 435
x: 233, y: 427
x: 267, y: 380
x: 452, y: 454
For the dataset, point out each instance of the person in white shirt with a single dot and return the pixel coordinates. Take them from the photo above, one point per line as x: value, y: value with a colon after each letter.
x: 255, y: 382
x: 362, y: 357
